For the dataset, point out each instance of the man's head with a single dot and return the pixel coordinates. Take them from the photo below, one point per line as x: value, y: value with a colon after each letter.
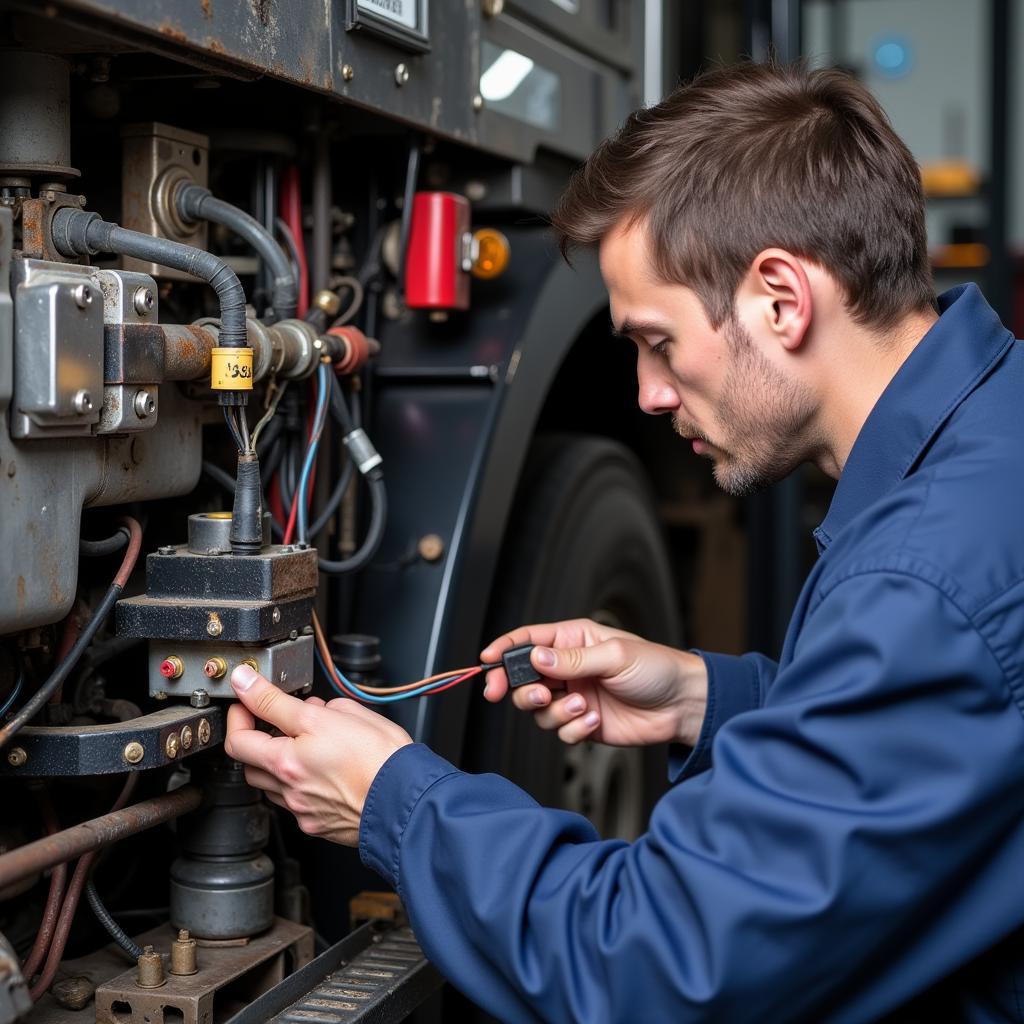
x: 738, y: 220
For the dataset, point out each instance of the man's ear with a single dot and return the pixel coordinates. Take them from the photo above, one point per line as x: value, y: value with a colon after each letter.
x: 778, y: 293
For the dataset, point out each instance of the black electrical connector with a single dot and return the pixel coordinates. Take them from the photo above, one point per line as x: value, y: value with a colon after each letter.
x: 517, y: 665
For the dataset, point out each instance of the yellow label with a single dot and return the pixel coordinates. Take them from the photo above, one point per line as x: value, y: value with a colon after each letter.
x: 231, y: 369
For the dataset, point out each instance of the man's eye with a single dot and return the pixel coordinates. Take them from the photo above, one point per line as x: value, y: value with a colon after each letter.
x: 661, y: 349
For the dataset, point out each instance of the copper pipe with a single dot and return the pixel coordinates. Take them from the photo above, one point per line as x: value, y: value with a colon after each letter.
x: 78, y: 879
x: 58, y: 880
x: 91, y: 835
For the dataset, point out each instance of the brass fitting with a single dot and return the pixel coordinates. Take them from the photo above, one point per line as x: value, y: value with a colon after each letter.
x: 215, y: 667
x: 151, y: 969
x: 183, y: 954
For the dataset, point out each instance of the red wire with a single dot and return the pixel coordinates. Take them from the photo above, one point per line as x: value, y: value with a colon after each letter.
x: 339, y: 683
x: 291, y: 214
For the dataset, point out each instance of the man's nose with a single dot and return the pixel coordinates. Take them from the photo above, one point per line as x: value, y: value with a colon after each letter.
x: 656, y: 392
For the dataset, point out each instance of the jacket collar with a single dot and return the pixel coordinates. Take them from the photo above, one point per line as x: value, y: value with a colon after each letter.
x: 948, y: 363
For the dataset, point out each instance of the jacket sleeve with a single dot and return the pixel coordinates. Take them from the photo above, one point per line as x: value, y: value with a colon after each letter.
x: 735, y: 684
x: 852, y: 843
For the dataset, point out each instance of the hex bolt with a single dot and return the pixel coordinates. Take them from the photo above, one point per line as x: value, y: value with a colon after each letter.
x: 172, y: 746
x: 16, y: 757
x: 199, y: 699
x: 82, y: 402
x: 276, y: 615
x: 186, y: 737
x: 348, y: 72
x: 144, y: 404
x: 82, y: 294
x: 183, y: 954
x: 214, y: 626
x: 143, y: 300
x: 134, y: 752
x: 203, y: 731
x: 151, y: 969
x: 401, y: 74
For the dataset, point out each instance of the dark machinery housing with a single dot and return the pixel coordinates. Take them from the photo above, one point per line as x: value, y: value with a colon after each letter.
x: 238, y: 241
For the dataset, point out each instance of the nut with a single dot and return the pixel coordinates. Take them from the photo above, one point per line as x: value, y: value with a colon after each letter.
x: 82, y: 294
x: 204, y: 731
x: 134, y: 752
x: 186, y: 737
x: 199, y: 699
x: 143, y: 301
x: 348, y: 72
x: 430, y: 547
x: 166, y: 549
x: 82, y: 402
x: 144, y: 404
x: 172, y: 746
x: 214, y: 626
x: 401, y: 74
x: 16, y: 757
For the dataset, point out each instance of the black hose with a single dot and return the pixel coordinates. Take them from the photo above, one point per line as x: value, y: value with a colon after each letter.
x: 106, y: 546
x: 197, y: 203
x: 78, y: 233
x: 374, y: 533
x: 114, y: 930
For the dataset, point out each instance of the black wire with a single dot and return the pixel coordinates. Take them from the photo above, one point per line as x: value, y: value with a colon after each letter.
x: 233, y: 427
x: 408, y: 198
x: 214, y: 472
x: 374, y: 533
x: 33, y: 706
x: 114, y: 930
x: 106, y: 546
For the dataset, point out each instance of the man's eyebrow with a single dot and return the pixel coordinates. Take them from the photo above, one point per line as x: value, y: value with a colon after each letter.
x: 630, y: 327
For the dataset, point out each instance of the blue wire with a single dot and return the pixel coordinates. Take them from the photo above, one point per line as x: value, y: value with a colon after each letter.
x: 13, y: 695
x: 323, y: 394
x: 373, y: 698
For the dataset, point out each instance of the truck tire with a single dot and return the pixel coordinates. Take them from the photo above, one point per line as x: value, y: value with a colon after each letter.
x: 584, y: 541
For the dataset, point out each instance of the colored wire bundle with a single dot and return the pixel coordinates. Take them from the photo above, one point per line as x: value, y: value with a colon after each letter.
x: 323, y: 394
x: 385, y: 694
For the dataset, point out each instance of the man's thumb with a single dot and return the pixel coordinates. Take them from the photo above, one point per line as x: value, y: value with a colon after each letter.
x: 603, y: 659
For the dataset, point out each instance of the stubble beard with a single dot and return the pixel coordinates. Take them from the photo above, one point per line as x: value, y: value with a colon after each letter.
x: 765, y: 418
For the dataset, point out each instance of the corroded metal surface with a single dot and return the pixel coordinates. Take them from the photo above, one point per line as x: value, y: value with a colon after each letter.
x: 91, y: 835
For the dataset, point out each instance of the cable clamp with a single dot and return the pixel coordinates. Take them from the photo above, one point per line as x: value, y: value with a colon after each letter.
x: 360, y: 447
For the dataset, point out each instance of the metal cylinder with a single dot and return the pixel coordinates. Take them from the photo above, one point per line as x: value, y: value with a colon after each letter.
x: 211, y: 531
x: 151, y: 969
x: 35, y: 115
x: 222, y: 886
x: 183, y: 954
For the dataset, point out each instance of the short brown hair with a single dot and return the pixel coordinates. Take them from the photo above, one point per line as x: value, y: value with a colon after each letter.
x: 751, y: 156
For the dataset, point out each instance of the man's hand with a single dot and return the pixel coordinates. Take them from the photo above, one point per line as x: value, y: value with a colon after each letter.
x: 322, y: 767
x: 623, y: 690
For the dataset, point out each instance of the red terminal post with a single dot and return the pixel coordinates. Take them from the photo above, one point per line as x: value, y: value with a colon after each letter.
x: 172, y: 667
x: 438, y: 258
x: 357, y: 349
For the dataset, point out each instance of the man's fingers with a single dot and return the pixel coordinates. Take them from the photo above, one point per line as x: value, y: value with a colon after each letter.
x: 261, y: 779
x: 530, y: 698
x: 239, y: 717
x: 317, y: 702
x: 561, y: 712
x: 250, y: 746
x: 580, y: 728
x: 266, y: 701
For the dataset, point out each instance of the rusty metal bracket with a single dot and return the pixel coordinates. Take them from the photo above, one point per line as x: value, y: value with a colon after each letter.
x: 151, y: 741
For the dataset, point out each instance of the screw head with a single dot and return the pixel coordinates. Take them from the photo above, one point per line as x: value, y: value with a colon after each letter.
x: 143, y: 300
x: 172, y: 745
x: 203, y: 731
x: 82, y: 402
x: 16, y: 757
x: 401, y: 74
x: 199, y: 699
x: 134, y: 752
x: 276, y: 615
x: 348, y: 72
x: 82, y: 294
x: 144, y: 404
x: 167, y: 549
x: 186, y: 737
x: 478, y: 102
x: 214, y: 627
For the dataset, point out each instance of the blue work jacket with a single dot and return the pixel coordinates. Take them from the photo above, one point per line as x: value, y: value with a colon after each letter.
x: 846, y: 840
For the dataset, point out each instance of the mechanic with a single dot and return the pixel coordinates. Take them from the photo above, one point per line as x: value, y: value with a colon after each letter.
x: 844, y: 838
